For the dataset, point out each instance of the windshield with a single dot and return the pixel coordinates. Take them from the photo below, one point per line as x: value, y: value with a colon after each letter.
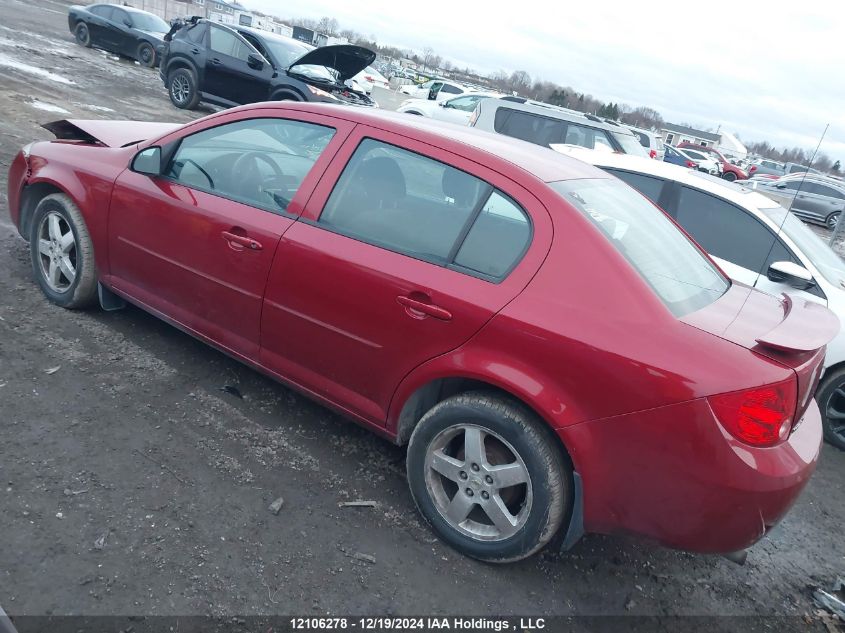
x: 828, y: 263
x: 678, y: 272
x: 284, y: 52
x: 149, y: 22
x: 630, y: 144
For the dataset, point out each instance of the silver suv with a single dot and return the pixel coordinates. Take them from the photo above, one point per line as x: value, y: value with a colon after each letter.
x: 548, y: 125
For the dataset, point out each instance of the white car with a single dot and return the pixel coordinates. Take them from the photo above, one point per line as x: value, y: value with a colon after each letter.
x: 704, y: 161
x: 455, y: 110
x: 368, y: 78
x: 756, y: 242
x: 435, y: 90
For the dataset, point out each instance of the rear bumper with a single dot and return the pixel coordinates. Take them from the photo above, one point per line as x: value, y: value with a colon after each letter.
x: 674, y: 475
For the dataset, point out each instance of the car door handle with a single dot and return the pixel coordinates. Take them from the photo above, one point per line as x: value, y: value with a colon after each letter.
x: 195, y: 51
x: 216, y: 61
x: 420, y: 309
x: 240, y: 242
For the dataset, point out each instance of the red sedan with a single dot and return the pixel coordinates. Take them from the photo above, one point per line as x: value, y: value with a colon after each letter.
x: 556, y: 354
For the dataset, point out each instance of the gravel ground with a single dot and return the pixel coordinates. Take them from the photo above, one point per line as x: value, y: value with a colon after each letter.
x: 131, y: 482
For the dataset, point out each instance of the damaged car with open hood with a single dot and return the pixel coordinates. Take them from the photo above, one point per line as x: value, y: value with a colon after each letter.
x: 234, y: 65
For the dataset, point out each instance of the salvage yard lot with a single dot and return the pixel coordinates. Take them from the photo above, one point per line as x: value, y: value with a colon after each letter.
x: 138, y: 465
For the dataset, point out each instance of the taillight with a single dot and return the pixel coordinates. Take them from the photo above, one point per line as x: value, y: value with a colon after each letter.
x: 652, y: 153
x: 752, y: 169
x: 690, y: 164
x: 762, y: 416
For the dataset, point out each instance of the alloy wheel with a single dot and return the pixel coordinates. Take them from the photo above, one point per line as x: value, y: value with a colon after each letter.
x: 478, y: 482
x: 180, y: 89
x: 832, y: 220
x: 835, y: 411
x: 146, y: 54
x: 57, y: 252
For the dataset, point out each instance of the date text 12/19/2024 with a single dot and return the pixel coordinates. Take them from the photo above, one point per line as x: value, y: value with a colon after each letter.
x: 434, y: 623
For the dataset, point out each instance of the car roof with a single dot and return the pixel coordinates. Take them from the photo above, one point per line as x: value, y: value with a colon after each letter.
x: 126, y: 8
x: 488, y: 149
x: 733, y: 193
x: 556, y: 112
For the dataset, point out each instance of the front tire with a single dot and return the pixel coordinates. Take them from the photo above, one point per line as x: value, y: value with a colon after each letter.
x: 146, y: 55
x: 62, y: 253
x: 82, y: 34
x: 729, y: 176
x: 830, y: 397
x: 182, y: 89
x: 487, y: 475
x: 831, y: 220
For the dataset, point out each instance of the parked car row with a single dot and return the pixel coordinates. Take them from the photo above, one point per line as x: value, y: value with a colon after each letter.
x: 811, y: 197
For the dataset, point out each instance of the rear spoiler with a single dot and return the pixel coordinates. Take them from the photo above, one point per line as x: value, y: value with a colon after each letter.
x: 806, y: 327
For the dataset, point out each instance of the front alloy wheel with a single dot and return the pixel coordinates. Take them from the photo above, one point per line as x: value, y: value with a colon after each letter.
x: 831, y: 221
x: 57, y: 252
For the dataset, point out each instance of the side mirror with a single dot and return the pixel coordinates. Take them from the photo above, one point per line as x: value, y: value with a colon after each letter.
x: 128, y: 22
x: 443, y: 104
x: 780, y: 186
x: 792, y: 274
x: 148, y: 162
x: 254, y: 61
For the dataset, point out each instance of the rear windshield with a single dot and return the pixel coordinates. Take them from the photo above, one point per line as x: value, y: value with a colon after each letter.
x: 678, y: 272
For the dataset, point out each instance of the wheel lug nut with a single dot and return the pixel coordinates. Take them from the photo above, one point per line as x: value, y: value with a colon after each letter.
x: 485, y: 494
x: 463, y: 475
x: 475, y: 467
x: 488, y: 479
x: 469, y: 492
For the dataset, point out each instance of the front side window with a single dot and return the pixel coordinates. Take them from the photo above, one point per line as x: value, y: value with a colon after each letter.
x: 678, y: 273
x: 450, y: 89
x: 466, y: 104
x: 588, y: 137
x: 420, y: 207
x: 196, y: 33
x: 728, y: 232
x: 649, y: 186
x: 149, y: 22
x: 533, y: 128
x: 227, y: 43
x: 120, y: 16
x: 260, y: 162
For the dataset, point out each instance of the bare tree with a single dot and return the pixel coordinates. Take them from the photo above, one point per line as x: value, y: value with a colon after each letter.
x: 519, y: 81
x: 428, y: 57
x: 327, y: 25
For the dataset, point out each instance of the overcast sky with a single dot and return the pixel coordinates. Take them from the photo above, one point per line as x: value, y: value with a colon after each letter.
x: 764, y: 69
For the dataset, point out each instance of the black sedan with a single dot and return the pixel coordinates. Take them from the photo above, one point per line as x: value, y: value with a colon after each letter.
x: 122, y: 30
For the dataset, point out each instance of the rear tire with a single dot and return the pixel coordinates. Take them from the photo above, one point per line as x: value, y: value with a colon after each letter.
x: 182, y: 89
x: 463, y: 456
x: 831, y: 220
x: 62, y: 253
x: 729, y: 176
x: 146, y: 55
x: 82, y: 34
x: 830, y: 397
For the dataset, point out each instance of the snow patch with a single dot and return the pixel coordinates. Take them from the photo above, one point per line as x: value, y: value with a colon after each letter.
x: 8, y: 62
x: 48, y: 107
x: 97, y: 108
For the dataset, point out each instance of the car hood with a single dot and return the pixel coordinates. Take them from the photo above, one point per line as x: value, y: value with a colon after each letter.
x: 108, y: 133
x: 346, y: 59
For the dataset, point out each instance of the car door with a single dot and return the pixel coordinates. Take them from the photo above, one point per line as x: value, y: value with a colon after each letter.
x: 196, y: 243
x: 459, y: 109
x: 228, y: 74
x: 119, y: 32
x: 101, y: 16
x: 401, y: 255
x: 742, y: 245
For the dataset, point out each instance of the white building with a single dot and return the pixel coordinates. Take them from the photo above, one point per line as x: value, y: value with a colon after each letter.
x: 731, y: 146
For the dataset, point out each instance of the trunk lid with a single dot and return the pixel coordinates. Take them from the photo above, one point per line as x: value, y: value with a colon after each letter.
x: 348, y: 60
x: 108, y: 133
x: 789, y: 330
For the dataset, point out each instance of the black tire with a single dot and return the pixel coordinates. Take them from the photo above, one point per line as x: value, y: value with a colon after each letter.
x: 182, y: 89
x: 545, y: 500
x: 81, y: 292
x: 729, y: 176
x: 82, y: 34
x: 831, y: 402
x: 146, y: 55
x: 285, y: 96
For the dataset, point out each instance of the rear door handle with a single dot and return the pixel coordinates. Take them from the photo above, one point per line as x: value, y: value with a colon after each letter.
x: 424, y: 309
x: 195, y: 51
x: 239, y: 242
x: 216, y: 61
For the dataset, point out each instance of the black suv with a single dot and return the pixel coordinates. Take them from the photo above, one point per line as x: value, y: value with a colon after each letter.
x: 232, y: 65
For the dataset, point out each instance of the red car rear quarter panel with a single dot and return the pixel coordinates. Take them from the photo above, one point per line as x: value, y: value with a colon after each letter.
x: 86, y: 173
x: 673, y: 473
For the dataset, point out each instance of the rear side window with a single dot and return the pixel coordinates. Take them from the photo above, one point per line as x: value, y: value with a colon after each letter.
x: 728, y: 232
x: 643, y: 138
x: 103, y: 11
x: 649, y: 186
x: 533, y: 128
x: 418, y: 206
x: 678, y: 273
x: 226, y: 43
